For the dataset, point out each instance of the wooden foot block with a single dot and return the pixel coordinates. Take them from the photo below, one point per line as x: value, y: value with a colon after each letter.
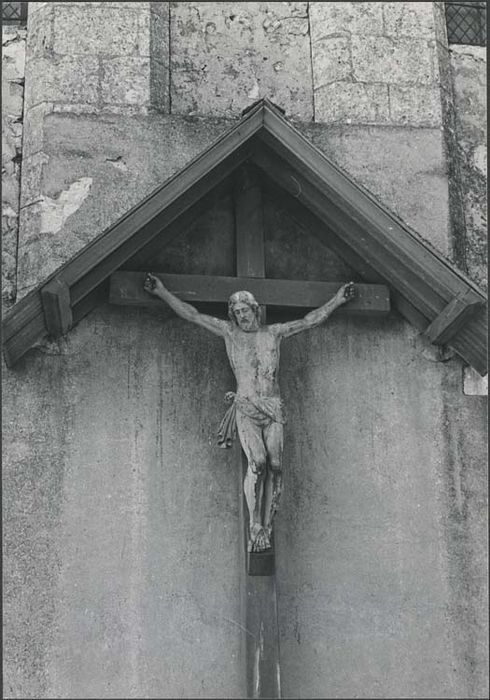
x: 261, y: 563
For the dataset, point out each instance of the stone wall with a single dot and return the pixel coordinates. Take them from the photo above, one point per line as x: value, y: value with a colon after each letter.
x: 376, y: 62
x: 225, y: 56
x: 326, y: 63
x: 469, y: 75
x: 13, y: 63
x: 380, y: 68
x: 467, y: 160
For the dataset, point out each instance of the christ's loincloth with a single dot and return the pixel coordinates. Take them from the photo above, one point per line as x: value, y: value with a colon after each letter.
x: 256, y: 419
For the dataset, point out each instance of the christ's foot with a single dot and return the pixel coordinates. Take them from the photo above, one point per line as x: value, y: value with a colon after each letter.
x: 259, y: 538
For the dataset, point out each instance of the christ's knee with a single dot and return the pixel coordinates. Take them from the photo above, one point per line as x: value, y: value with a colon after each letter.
x: 258, y: 465
x: 275, y: 464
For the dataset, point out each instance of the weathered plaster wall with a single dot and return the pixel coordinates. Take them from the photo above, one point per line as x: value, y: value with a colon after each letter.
x: 381, y: 538
x: 13, y: 63
x: 120, y: 517
x: 93, y: 170
x: 121, y: 535
x: 404, y: 168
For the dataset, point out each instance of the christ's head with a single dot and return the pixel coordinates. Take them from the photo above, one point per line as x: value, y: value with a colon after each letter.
x: 243, y: 310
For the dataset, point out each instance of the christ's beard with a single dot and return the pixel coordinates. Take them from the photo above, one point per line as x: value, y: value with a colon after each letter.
x: 248, y: 325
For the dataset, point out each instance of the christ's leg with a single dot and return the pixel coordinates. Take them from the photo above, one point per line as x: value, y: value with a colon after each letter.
x: 253, y: 487
x: 253, y: 445
x: 273, y: 435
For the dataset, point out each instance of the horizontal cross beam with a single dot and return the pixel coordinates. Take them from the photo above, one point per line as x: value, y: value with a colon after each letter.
x: 126, y: 288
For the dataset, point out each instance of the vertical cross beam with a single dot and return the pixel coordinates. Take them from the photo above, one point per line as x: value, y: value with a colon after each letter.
x: 249, y: 227
x: 250, y: 262
x: 259, y: 615
x: 258, y: 586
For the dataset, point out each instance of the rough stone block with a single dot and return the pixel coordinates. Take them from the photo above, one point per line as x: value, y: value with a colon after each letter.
x: 34, y: 128
x: 36, y: 6
x: 144, y: 20
x: 440, y: 29
x: 473, y: 383
x: 125, y: 80
x: 13, y: 54
x: 442, y: 68
x: 117, y: 5
x: 10, y: 229
x: 159, y: 87
x: 417, y: 105
x: 10, y: 177
x: 12, y: 99
x: 410, y: 19
x: 331, y: 60
x: 79, y: 53
x: 328, y: 18
x: 115, y: 31
x: 382, y: 59
x: 352, y: 103
x: 103, y: 110
x: 40, y: 31
x: 158, y: 32
x: 28, y: 262
x: 13, y: 65
x: 159, y: 49
x: 32, y: 180
x: 469, y: 71
x: 62, y: 78
x: 225, y: 56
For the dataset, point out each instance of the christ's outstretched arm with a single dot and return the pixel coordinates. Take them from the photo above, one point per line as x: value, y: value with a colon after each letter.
x: 317, y: 316
x: 154, y: 286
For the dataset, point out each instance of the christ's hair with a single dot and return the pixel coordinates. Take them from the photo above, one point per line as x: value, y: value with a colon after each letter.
x: 243, y: 298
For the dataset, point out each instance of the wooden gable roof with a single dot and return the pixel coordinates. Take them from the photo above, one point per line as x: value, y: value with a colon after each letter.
x: 427, y: 289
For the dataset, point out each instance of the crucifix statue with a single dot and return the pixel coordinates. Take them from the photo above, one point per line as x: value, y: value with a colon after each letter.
x: 256, y: 411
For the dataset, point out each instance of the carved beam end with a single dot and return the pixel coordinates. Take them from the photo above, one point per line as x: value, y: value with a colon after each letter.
x: 452, y: 317
x: 261, y: 563
x: 58, y: 316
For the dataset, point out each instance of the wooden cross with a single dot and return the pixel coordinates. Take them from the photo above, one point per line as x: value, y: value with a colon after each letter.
x: 127, y: 288
x: 258, y: 588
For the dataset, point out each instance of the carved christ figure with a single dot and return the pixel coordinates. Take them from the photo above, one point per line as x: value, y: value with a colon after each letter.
x: 256, y: 409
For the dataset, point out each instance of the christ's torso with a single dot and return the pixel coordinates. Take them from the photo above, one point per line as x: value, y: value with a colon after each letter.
x: 254, y: 359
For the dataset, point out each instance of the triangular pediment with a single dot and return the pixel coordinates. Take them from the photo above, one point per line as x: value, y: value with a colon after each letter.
x: 427, y: 289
